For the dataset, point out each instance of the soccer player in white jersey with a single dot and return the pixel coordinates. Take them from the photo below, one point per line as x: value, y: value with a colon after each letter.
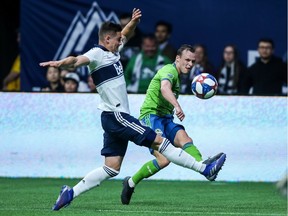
x: 119, y: 126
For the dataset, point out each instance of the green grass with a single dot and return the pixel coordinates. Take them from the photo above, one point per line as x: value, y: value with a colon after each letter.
x: 33, y: 196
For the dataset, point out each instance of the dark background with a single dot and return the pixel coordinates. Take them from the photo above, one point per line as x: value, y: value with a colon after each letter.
x: 214, y: 23
x: 9, y: 23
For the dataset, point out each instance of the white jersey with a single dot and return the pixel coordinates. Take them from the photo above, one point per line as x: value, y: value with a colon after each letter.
x: 107, y: 72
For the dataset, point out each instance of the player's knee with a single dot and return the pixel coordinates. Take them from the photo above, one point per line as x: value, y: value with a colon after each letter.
x: 157, y: 142
x: 182, y: 138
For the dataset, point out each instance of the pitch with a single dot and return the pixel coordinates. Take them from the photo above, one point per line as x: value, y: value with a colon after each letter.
x: 26, y: 196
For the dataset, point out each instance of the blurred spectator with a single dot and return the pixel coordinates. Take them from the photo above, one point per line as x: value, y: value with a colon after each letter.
x: 12, y: 81
x: 53, y: 78
x: 91, y: 84
x: 202, y: 65
x: 133, y: 46
x: 163, y: 32
x: 82, y: 85
x: 143, y: 66
x: 268, y: 74
x: 71, y: 82
x: 231, y: 72
x: 63, y: 73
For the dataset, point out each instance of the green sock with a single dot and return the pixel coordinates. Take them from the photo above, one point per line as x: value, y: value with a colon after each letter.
x: 193, y: 151
x: 147, y: 170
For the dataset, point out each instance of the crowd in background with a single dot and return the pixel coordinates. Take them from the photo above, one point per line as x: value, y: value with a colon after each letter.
x: 145, y: 54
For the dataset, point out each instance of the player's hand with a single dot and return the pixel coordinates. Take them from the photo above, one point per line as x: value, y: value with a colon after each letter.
x: 136, y: 15
x: 179, y: 113
x: 50, y: 64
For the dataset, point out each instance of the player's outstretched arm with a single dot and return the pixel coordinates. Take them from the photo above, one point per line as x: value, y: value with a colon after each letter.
x: 128, y: 30
x: 70, y: 62
x: 166, y: 91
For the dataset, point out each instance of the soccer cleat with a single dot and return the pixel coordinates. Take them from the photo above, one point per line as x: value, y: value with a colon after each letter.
x: 127, y: 191
x: 213, y: 166
x: 64, y: 199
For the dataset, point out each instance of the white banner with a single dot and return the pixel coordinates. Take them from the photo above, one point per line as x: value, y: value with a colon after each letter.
x: 60, y: 135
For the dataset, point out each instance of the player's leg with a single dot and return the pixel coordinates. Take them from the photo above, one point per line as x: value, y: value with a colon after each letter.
x: 114, y: 149
x: 209, y: 169
x: 148, y: 169
x: 91, y: 180
x: 182, y: 140
x: 95, y: 177
x: 151, y: 167
x: 145, y: 136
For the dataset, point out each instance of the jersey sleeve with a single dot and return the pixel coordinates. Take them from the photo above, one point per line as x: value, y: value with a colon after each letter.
x: 94, y: 55
x: 166, y: 73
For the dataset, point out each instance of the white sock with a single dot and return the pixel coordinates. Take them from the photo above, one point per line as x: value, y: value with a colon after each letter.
x: 93, y: 179
x: 131, y: 183
x: 180, y: 157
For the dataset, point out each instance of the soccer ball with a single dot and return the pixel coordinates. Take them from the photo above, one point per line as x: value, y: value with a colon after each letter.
x: 204, y: 86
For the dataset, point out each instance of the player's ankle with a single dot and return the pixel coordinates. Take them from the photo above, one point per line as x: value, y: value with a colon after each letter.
x: 131, y: 183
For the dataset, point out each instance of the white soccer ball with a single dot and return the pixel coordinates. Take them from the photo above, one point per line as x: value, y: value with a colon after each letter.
x: 204, y: 86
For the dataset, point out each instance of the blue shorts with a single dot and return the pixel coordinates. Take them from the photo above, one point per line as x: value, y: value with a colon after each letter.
x: 119, y: 128
x: 162, y: 125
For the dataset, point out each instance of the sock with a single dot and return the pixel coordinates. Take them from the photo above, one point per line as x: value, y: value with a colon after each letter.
x: 93, y: 179
x: 180, y: 157
x: 147, y: 170
x: 193, y: 151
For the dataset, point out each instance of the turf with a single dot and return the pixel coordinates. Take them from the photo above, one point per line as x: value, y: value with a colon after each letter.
x: 35, y: 196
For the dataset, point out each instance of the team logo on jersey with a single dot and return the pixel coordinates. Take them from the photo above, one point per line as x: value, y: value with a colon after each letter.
x: 158, y: 131
x: 171, y: 76
x: 81, y: 29
x: 118, y: 68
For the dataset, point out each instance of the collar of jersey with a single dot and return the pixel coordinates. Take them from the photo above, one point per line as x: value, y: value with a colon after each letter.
x: 102, y: 47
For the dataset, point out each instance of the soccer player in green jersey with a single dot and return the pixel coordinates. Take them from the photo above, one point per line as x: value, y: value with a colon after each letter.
x: 157, y: 112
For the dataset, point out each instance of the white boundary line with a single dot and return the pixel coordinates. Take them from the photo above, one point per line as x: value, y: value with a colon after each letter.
x: 158, y: 212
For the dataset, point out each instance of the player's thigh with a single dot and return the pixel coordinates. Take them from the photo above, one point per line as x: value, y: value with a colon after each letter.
x: 136, y: 132
x: 176, y: 133
x: 156, y: 123
x: 127, y: 127
x: 113, y: 145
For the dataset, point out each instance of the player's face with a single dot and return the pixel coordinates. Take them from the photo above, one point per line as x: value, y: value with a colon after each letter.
x: 114, y: 41
x: 265, y: 50
x: 185, y: 62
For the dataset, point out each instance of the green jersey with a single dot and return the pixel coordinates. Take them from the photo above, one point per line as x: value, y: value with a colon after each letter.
x: 154, y: 102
